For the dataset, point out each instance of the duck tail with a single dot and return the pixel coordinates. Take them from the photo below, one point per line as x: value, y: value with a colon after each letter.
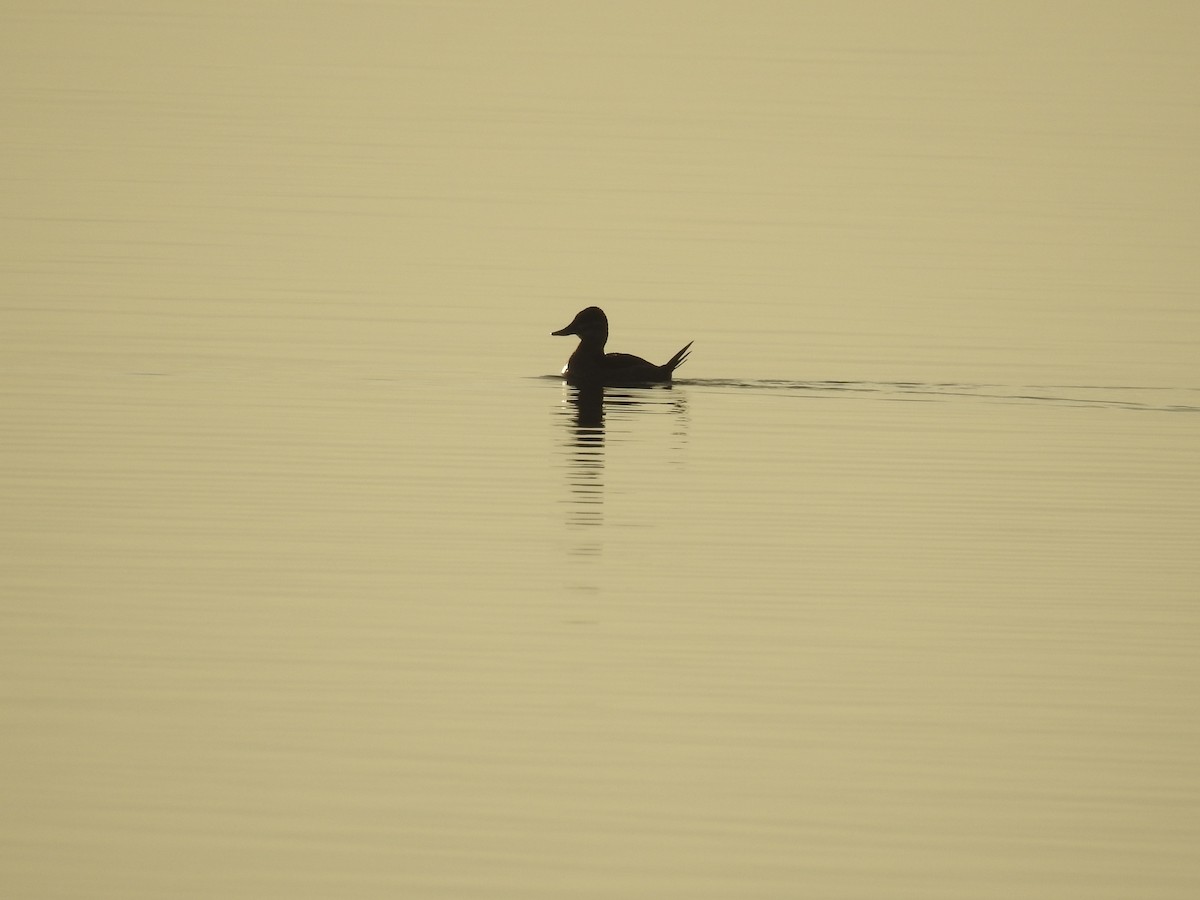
x: 678, y: 359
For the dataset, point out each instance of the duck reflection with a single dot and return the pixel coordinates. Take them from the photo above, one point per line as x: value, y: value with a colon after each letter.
x: 585, y: 461
x: 586, y: 409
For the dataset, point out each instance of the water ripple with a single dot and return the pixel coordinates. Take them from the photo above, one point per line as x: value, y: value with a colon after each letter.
x: 1184, y: 400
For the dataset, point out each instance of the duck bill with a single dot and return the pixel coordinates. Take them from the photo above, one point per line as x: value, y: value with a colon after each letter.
x: 565, y: 330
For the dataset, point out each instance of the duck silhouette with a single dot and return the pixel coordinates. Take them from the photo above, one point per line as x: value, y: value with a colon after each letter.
x: 590, y: 366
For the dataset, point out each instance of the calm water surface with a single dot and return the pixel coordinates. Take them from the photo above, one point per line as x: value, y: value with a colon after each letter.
x: 317, y: 582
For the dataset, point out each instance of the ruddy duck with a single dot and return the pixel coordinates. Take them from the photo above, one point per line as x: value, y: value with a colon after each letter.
x: 590, y: 366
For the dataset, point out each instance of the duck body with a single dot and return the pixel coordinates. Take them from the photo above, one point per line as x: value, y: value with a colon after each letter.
x: 590, y: 366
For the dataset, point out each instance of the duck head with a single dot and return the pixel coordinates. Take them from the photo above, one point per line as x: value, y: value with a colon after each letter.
x: 589, y: 324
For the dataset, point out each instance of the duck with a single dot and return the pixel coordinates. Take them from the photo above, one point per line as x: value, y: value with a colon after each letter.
x: 590, y: 366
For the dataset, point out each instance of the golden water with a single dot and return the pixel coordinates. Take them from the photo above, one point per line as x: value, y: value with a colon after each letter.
x: 315, y: 583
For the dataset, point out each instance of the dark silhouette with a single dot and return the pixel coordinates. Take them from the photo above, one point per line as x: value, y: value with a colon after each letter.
x: 590, y: 366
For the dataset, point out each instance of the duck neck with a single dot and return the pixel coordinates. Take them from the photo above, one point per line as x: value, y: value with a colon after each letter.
x: 591, y: 343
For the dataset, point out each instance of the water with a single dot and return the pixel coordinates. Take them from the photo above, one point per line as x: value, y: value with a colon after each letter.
x: 317, y: 581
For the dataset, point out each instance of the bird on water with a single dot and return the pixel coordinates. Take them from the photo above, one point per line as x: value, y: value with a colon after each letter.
x: 590, y: 366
